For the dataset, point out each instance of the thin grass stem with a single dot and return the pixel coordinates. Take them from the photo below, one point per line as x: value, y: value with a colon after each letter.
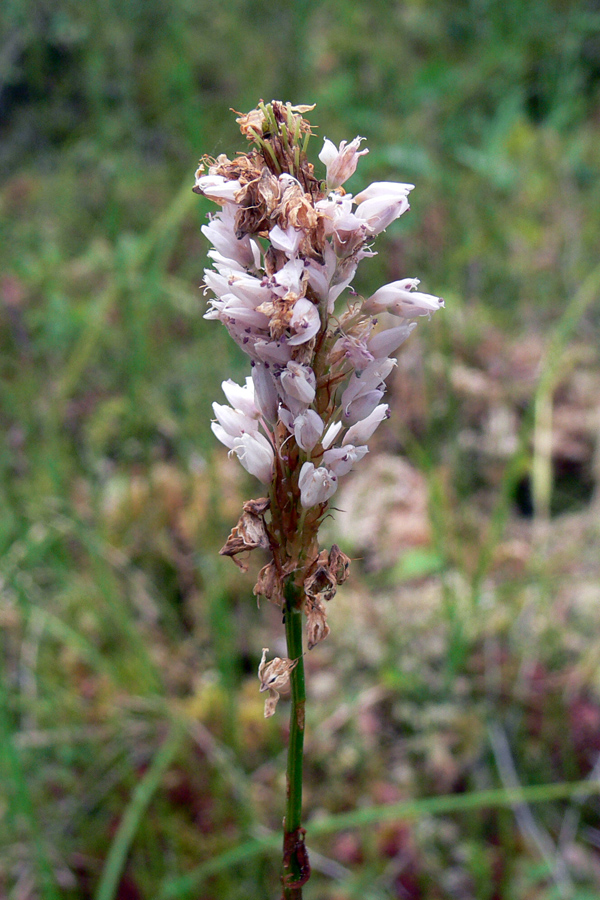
x: 296, y: 869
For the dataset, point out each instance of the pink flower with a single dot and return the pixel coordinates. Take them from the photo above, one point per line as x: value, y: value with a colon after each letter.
x: 275, y: 289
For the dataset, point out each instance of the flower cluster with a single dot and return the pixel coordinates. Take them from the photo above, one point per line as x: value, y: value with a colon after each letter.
x: 285, y: 246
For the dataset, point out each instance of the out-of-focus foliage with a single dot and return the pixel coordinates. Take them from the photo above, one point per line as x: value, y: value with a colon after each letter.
x: 464, y: 654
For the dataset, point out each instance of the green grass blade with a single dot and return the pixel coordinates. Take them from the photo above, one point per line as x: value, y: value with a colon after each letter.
x: 20, y: 802
x: 181, y: 887
x: 140, y: 799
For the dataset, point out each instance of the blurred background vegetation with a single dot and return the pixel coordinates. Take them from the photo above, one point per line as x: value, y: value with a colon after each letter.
x: 465, y: 650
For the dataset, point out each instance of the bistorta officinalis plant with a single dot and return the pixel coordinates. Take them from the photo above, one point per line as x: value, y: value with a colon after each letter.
x: 286, y: 244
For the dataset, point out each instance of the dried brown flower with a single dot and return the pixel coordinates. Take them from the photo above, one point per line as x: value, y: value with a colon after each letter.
x: 249, y: 533
x: 274, y: 676
x: 339, y: 564
x: 268, y: 584
x: 317, y: 628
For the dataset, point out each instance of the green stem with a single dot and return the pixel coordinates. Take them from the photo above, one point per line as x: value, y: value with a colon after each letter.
x: 296, y: 869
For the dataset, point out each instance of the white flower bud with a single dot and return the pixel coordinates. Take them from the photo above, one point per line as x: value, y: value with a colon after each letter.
x: 305, y: 322
x: 362, y: 431
x: 380, y: 212
x: 217, y: 187
x: 241, y: 312
x: 286, y: 417
x: 241, y: 398
x: 389, y: 190
x: 289, y: 278
x: 316, y: 485
x: 308, y: 428
x: 299, y: 382
x: 341, y: 459
x: 320, y: 275
x: 397, y: 298
x: 265, y: 392
x: 331, y: 434
x: 222, y: 435
x: 220, y: 231
x: 372, y: 378
x: 288, y: 240
x: 388, y: 341
x: 248, y: 288
x: 234, y: 421
x: 275, y: 353
x: 362, y: 406
x: 256, y: 455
